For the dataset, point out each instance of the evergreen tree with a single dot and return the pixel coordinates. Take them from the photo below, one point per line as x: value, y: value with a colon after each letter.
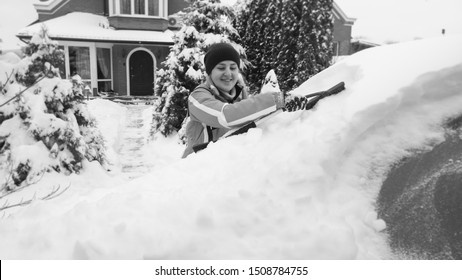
x: 205, y: 22
x: 252, y: 29
x: 294, y: 37
x: 42, y: 52
x: 50, y: 116
x: 287, y: 49
x: 272, y: 35
x: 314, y: 44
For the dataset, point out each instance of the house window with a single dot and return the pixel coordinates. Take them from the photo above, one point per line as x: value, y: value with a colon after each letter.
x: 125, y: 7
x: 92, y: 62
x: 153, y: 7
x: 79, y: 63
x: 139, y: 7
x: 103, y: 64
x: 61, y: 64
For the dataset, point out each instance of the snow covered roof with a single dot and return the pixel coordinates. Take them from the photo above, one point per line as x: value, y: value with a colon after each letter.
x: 342, y: 15
x: 48, y: 5
x: 79, y: 26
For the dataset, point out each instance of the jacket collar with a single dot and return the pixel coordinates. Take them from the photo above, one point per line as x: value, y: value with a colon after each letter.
x: 228, y: 98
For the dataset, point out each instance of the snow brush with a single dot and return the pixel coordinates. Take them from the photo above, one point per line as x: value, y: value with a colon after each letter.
x: 306, y: 102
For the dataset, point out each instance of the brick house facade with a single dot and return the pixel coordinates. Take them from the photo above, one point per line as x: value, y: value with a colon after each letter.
x: 342, y: 32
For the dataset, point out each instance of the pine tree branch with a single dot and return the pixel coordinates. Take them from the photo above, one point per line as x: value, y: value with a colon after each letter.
x: 22, y: 91
x: 55, y: 192
x: 7, y: 79
x: 21, y: 203
x: 10, y: 191
x: 8, y: 179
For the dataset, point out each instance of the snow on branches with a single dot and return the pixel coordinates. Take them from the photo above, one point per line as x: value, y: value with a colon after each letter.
x: 47, y: 127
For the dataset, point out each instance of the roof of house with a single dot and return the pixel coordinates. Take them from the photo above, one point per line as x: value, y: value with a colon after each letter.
x: 48, y: 5
x: 89, y: 27
x: 339, y: 13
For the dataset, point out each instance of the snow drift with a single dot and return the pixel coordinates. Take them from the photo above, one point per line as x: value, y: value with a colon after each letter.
x: 302, y: 186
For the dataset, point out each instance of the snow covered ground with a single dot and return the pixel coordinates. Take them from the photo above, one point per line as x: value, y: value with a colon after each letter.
x: 303, y: 186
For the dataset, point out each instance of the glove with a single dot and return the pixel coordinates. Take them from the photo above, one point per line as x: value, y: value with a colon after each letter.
x: 279, y: 99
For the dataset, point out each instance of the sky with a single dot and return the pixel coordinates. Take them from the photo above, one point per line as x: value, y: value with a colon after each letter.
x: 378, y: 21
x: 12, y: 21
x: 384, y: 21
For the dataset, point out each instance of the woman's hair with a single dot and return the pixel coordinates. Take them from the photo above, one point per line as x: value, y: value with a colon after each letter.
x: 220, y: 52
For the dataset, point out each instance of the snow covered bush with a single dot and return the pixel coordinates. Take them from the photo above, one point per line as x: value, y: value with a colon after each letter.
x: 47, y: 126
x: 205, y: 22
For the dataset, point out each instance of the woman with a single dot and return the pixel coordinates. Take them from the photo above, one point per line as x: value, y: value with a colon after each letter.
x: 221, y: 103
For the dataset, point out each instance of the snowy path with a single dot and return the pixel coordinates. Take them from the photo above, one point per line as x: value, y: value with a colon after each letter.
x: 134, y: 138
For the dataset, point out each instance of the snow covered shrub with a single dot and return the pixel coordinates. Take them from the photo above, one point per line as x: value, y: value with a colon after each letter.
x: 48, y: 127
x: 41, y: 53
x: 205, y: 22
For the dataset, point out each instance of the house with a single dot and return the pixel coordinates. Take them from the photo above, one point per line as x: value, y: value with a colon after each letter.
x: 116, y: 45
x: 342, y: 32
x: 112, y: 44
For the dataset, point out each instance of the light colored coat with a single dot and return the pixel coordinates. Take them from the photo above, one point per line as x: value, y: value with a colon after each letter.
x: 212, y: 114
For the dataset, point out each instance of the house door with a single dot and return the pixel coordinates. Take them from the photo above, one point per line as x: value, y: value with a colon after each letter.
x: 141, y: 73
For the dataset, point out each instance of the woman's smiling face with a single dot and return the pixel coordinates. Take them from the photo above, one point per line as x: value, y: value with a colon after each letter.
x: 224, y: 75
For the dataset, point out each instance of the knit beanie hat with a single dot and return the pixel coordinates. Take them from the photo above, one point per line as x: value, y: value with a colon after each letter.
x: 220, y: 52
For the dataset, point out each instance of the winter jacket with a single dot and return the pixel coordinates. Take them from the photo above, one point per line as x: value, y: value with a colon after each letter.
x: 212, y: 114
